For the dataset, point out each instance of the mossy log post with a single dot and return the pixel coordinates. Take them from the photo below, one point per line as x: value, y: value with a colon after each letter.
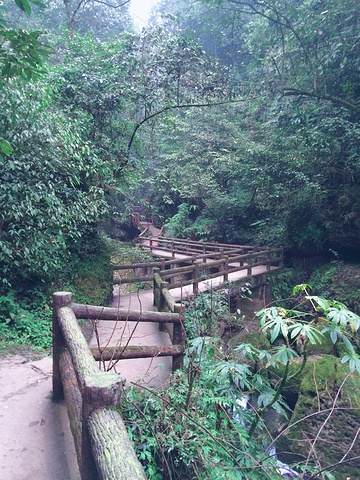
x: 73, y: 399
x: 178, y: 337
x: 249, y: 266
x: 163, y: 300
x: 158, y: 300
x: 226, y: 269
x: 132, y: 351
x: 196, y: 279
x: 60, y: 299
x: 113, y: 453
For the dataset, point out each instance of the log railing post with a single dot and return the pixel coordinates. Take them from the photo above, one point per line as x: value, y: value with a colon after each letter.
x: 156, y: 288
x: 100, y: 390
x: 241, y: 263
x: 196, y: 279
x: 60, y: 299
x: 226, y: 269
x: 268, y: 261
x: 178, y: 337
x: 163, y: 304
x: 250, y: 262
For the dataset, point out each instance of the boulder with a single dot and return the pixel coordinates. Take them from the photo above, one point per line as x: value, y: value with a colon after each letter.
x: 326, y: 418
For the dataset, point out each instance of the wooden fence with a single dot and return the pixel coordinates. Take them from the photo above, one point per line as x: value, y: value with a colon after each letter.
x: 215, y: 261
x: 103, y: 448
x: 191, y: 247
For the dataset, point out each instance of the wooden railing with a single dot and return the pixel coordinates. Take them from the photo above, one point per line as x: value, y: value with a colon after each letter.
x: 197, y: 272
x: 191, y: 247
x: 139, y: 214
x: 103, y: 448
x: 216, y: 260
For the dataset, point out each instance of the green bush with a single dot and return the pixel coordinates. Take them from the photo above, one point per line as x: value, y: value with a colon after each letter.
x: 19, y: 326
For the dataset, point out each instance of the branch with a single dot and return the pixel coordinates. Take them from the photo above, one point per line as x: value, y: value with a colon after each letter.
x: 311, y: 415
x: 293, y: 91
x: 223, y: 443
x: 85, y: 2
x: 314, y: 476
x: 286, y: 23
x: 110, y: 5
x: 332, y: 409
x: 173, y: 107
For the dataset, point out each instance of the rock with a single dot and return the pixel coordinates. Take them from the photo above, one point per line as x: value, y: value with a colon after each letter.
x: 328, y: 437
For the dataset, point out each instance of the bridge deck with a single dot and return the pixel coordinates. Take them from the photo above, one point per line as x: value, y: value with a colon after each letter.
x: 149, y: 371
x: 187, y: 290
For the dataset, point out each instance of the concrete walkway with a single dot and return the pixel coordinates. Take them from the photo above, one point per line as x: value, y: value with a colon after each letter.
x: 35, y: 438
x: 147, y: 371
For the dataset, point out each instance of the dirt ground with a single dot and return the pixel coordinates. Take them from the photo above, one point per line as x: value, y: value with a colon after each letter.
x: 35, y: 438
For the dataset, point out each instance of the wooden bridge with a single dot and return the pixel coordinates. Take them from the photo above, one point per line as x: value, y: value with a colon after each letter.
x: 185, y: 268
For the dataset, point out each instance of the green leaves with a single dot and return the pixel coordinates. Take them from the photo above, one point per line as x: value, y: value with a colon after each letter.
x: 22, y: 54
x: 306, y: 332
x: 353, y: 359
x: 24, y: 6
x: 283, y: 355
x: 51, y: 185
x: 5, y: 148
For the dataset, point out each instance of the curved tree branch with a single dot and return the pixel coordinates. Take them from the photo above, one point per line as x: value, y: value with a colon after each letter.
x: 173, y: 107
x: 331, y: 98
x: 110, y: 4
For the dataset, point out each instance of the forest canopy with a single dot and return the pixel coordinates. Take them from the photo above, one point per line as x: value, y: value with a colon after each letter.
x: 236, y: 121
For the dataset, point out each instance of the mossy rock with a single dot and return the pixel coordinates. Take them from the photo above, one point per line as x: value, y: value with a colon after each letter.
x: 257, y: 340
x: 325, y: 379
x: 295, y: 376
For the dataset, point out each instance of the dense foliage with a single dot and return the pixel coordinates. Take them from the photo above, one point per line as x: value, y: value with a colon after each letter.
x: 199, y: 426
x: 236, y: 121
x: 281, y: 166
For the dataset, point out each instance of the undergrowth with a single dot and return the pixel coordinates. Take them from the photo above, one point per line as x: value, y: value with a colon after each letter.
x: 20, y: 326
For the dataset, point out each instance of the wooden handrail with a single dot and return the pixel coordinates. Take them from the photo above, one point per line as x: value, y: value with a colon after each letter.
x: 91, y: 312
x: 269, y: 257
x: 88, y: 392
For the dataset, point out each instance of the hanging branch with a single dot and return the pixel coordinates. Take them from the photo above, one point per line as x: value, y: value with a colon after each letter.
x: 331, y: 98
x: 173, y: 107
x: 71, y: 14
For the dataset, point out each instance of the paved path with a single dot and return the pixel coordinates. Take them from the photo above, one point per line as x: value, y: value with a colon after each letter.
x: 35, y: 438
x: 148, y: 371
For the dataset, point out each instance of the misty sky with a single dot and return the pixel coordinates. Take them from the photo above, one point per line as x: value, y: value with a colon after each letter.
x: 140, y: 9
